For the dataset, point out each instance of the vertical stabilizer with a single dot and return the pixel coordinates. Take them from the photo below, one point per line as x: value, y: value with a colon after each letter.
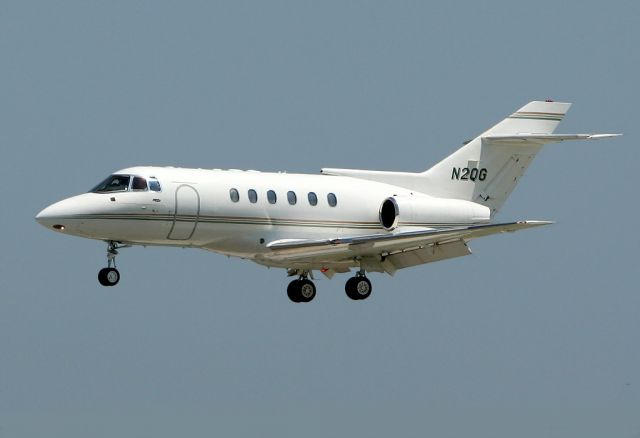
x: 486, y: 171
x: 488, y: 168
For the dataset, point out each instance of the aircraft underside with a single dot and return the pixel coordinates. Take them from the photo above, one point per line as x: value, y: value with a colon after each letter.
x: 300, y: 290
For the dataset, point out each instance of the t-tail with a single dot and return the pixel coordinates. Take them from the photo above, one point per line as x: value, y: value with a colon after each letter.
x: 488, y: 168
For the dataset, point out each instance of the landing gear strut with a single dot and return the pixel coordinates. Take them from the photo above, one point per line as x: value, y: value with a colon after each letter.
x: 301, y: 290
x: 358, y: 287
x: 110, y: 276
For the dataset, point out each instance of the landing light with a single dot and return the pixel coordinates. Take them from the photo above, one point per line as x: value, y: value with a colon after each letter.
x: 58, y: 227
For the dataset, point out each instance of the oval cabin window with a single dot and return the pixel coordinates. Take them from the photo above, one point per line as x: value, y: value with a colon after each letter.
x: 253, y: 196
x: 234, y: 195
x: 332, y: 200
x: 271, y: 197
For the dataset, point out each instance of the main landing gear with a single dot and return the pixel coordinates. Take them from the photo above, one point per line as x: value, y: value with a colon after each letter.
x: 358, y: 287
x: 303, y: 290
x: 110, y: 276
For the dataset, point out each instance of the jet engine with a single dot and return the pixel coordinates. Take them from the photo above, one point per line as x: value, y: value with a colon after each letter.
x: 429, y: 211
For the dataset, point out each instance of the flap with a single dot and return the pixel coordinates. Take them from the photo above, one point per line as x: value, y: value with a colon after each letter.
x: 346, y: 248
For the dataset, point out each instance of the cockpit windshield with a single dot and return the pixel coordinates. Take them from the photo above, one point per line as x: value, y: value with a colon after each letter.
x: 125, y: 183
x: 114, y: 183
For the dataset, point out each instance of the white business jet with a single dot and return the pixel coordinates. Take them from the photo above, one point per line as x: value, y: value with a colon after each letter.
x: 372, y: 221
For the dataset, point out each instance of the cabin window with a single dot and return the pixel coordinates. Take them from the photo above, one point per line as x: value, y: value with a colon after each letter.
x: 332, y: 200
x: 114, y: 183
x: 234, y: 195
x: 271, y: 197
x: 139, y: 184
x: 292, y: 198
x: 154, y: 185
x: 313, y: 198
x: 253, y: 196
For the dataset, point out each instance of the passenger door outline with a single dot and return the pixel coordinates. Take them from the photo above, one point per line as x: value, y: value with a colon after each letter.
x: 186, y: 215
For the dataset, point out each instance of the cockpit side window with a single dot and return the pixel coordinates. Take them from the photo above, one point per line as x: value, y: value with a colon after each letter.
x: 139, y: 183
x: 114, y: 183
x: 154, y: 185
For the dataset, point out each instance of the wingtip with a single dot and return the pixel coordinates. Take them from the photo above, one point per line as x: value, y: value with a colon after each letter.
x: 536, y: 223
x: 599, y: 136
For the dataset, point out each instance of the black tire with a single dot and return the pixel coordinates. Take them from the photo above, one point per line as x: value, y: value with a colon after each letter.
x: 358, y: 288
x: 102, y: 277
x: 292, y: 291
x: 306, y: 290
x: 350, y: 288
x: 108, y: 276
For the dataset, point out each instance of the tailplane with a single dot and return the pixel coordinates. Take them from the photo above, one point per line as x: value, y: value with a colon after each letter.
x: 486, y: 169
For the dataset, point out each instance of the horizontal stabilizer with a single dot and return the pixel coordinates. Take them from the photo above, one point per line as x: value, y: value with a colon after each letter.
x: 543, y: 138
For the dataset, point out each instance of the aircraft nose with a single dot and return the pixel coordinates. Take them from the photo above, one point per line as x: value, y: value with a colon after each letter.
x: 42, y: 216
x: 61, y: 215
x: 53, y: 215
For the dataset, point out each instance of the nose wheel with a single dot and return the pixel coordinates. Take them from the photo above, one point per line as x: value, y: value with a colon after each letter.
x: 110, y: 276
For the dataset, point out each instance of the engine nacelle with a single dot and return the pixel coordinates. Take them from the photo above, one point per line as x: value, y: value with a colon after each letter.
x: 428, y: 211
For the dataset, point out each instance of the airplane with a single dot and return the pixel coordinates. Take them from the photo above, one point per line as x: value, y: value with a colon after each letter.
x: 339, y: 220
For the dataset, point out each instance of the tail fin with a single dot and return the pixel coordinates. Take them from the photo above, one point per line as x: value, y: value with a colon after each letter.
x: 487, y: 169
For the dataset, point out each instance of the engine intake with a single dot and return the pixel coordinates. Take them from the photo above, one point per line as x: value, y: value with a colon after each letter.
x: 389, y: 213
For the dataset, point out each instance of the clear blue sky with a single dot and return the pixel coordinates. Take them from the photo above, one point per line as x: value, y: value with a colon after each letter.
x: 536, y: 334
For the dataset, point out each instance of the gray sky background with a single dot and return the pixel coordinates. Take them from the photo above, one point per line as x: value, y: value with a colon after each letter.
x: 536, y: 334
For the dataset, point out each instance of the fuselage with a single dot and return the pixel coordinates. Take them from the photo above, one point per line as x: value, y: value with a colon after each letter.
x: 374, y: 221
x: 238, y: 213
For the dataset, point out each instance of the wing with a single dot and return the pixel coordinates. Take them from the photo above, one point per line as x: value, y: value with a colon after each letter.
x: 384, y: 252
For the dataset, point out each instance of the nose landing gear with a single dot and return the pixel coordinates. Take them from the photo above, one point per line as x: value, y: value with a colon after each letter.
x: 110, y: 276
